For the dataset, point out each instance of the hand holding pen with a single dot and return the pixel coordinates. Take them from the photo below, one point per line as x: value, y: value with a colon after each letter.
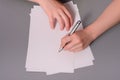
x: 70, y: 33
x: 76, y: 40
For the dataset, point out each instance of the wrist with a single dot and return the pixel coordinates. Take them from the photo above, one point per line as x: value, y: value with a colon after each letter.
x: 91, y: 33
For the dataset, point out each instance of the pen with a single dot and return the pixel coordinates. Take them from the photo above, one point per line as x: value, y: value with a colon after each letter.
x: 70, y: 33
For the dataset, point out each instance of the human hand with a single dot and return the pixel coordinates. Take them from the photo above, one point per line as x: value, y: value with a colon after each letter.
x: 56, y: 12
x: 77, y: 41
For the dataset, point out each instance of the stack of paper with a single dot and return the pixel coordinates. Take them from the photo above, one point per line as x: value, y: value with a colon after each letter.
x: 43, y: 55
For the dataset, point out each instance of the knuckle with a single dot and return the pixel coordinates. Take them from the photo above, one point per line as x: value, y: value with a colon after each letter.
x: 59, y: 10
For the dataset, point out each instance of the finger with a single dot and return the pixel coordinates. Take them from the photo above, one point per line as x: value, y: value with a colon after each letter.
x: 52, y: 22
x: 65, y: 40
x: 60, y: 21
x: 70, y: 45
x: 77, y: 50
x: 76, y: 47
x: 69, y: 15
x: 66, y: 20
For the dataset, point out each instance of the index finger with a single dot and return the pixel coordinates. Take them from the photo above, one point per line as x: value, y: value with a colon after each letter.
x: 65, y: 40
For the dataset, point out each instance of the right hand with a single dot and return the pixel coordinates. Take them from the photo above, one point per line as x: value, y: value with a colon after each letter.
x: 77, y: 41
x: 56, y: 12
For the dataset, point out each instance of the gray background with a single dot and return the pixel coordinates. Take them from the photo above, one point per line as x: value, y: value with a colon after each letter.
x: 14, y: 31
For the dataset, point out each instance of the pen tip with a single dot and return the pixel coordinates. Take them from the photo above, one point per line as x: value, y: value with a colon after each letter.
x: 60, y: 50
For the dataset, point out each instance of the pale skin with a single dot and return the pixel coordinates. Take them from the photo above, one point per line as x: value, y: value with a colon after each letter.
x: 56, y: 12
x: 82, y: 38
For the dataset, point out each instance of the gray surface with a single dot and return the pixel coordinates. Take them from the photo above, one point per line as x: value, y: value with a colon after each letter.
x: 14, y: 29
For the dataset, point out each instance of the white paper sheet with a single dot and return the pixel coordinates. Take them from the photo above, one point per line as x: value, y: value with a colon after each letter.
x: 44, y: 43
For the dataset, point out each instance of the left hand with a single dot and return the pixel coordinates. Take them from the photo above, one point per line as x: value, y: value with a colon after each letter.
x: 56, y: 11
x: 77, y: 41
